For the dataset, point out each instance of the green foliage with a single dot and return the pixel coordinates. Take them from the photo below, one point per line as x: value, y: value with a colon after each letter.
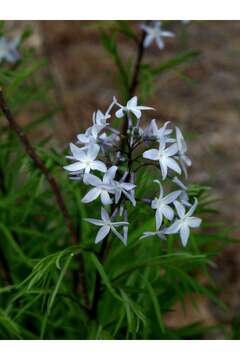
x: 140, y: 283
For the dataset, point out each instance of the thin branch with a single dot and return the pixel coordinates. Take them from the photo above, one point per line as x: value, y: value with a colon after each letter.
x: 133, y: 85
x: 52, y: 182
x: 97, y: 287
x: 136, y: 73
x: 5, y: 270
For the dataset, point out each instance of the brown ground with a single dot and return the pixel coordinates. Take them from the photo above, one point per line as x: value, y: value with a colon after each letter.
x: 210, y: 109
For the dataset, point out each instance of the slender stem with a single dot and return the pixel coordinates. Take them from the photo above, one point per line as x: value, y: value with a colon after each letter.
x: 133, y: 85
x: 97, y: 288
x: 5, y: 270
x: 53, y: 184
x: 124, y: 140
x: 136, y: 72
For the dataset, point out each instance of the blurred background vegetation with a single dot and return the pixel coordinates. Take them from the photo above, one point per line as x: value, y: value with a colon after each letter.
x: 67, y: 71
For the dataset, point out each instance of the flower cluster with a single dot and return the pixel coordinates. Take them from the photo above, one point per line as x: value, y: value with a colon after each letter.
x: 108, y: 160
x: 8, y: 50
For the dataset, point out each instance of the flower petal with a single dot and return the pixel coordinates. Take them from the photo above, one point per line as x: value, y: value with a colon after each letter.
x: 160, y: 42
x: 184, y: 234
x: 75, y: 166
x: 152, y: 154
x: 136, y: 112
x: 92, y: 180
x: 163, y: 167
x: 98, y: 165
x: 172, y: 164
x: 110, y: 174
x: 167, y: 212
x: 132, y: 102
x: 77, y: 152
x: 104, y: 215
x: 180, y: 209
x: 148, y: 40
x: 174, y: 228
x: 94, y: 221
x: 193, y: 208
x: 93, y: 151
x: 102, y: 233
x: 172, y: 196
x: 171, y: 150
x: 91, y: 195
x: 158, y: 217
x: 105, y: 198
x: 120, y: 113
x: 194, y: 222
x: 82, y: 138
x: 118, y: 235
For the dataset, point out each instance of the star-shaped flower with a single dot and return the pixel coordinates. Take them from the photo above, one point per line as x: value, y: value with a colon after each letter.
x: 163, y: 155
x: 86, y: 160
x: 131, y: 107
x: 125, y: 188
x: 100, y: 119
x: 8, y: 50
x: 152, y: 132
x: 90, y: 137
x: 185, y: 222
x: 106, y: 226
x: 161, y: 205
x: 155, y: 33
x: 101, y: 188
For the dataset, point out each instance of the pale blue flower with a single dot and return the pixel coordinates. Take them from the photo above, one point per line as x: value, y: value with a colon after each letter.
x: 185, y: 222
x: 164, y: 156
x: 131, y: 107
x: 85, y: 160
x: 161, y: 205
x: 106, y: 226
x: 154, y: 32
x: 8, y: 50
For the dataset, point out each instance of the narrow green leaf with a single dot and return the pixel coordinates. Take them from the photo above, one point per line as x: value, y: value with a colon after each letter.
x: 176, y: 61
x: 104, y: 277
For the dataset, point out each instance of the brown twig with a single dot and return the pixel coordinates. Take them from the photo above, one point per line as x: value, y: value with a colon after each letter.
x: 53, y: 184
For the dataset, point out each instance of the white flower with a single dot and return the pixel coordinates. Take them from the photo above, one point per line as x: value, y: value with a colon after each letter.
x: 101, y: 188
x: 152, y: 132
x: 8, y: 50
x: 86, y: 160
x: 182, y: 149
x: 159, y: 234
x: 155, y: 33
x: 185, y: 221
x: 163, y: 155
x: 161, y: 205
x: 90, y: 136
x: 100, y: 120
x: 122, y: 187
x: 131, y: 107
x: 107, y: 225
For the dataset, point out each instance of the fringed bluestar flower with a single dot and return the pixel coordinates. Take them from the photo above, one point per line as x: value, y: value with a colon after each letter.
x: 108, y: 161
